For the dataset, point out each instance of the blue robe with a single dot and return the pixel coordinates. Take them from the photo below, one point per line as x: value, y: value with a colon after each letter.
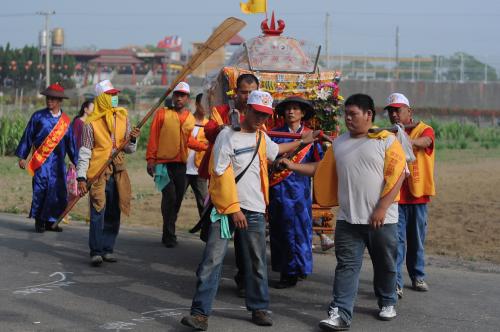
x: 290, y: 218
x: 49, y: 182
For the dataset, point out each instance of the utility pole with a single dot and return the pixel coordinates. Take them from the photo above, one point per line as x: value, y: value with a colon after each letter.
x: 397, y: 52
x: 327, y: 50
x: 47, y: 44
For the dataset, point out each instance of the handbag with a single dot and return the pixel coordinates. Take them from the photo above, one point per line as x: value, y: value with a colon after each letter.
x: 205, y: 221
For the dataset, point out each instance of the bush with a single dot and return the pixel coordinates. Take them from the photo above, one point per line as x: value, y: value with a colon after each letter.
x: 11, y: 131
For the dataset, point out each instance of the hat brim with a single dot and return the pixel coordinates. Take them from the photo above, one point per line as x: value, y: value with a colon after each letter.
x: 305, y: 106
x: 396, y: 105
x: 112, y: 91
x: 53, y: 94
x: 262, y: 109
x: 182, y: 91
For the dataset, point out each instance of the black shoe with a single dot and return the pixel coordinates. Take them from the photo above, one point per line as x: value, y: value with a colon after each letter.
x: 170, y: 243
x: 39, y: 226
x: 286, y: 282
x: 197, y: 322
x: 262, y: 318
x: 48, y: 227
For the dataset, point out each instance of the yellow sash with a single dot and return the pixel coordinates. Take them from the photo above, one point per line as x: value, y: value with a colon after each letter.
x: 49, y: 144
x: 325, y: 181
x: 223, y: 190
x: 421, y: 181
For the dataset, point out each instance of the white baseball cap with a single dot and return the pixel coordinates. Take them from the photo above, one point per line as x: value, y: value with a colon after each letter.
x: 397, y: 100
x: 261, y: 101
x: 182, y: 87
x: 105, y: 87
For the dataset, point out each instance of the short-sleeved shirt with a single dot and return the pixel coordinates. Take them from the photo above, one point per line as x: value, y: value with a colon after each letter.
x: 360, y: 171
x: 237, y: 148
x: 405, y: 195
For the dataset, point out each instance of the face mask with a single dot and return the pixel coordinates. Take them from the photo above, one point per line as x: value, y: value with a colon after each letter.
x: 114, y: 101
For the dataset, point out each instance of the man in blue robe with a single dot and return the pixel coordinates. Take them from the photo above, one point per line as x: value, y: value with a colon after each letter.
x: 49, y: 134
x: 290, y: 207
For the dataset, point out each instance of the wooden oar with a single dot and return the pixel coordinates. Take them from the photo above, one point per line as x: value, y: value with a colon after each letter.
x: 393, y: 129
x: 220, y: 36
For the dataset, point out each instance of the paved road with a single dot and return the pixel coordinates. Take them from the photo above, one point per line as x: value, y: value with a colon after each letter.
x: 46, y: 284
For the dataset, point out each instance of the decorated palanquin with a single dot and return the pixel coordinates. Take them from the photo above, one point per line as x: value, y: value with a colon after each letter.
x: 285, y: 67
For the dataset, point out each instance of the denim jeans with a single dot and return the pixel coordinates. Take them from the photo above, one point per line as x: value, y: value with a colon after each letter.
x: 253, y: 243
x: 412, y: 228
x: 105, y: 224
x: 199, y: 187
x: 350, y: 243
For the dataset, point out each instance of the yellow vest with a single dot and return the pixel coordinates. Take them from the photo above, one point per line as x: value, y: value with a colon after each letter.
x: 223, y: 190
x: 325, y: 180
x: 174, y: 136
x: 421, y: 180
x: 103, y: 145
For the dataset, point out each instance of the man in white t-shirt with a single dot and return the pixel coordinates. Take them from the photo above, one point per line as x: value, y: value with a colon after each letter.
x: 193, y: 180
x: 245, y: 203
x: 362, y: 174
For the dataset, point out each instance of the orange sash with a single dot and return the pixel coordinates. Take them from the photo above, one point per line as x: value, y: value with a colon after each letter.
x: 49, y: 144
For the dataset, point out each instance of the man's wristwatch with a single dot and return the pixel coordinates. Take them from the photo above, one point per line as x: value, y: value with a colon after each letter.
x: 81, y: 179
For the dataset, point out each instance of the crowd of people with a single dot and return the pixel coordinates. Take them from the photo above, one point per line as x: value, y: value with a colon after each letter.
x: 244, y: 180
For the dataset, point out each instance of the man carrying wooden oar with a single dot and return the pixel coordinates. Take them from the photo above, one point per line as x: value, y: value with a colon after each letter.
x: 105, y: 129
x: 50, y: 135
x: 415, y: 194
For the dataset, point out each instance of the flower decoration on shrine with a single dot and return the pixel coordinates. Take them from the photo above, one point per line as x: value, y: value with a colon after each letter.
x: 326, y: 101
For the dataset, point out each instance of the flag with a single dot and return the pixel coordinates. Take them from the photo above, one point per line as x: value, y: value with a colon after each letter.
x: 170, y: 42
x: 254, y: 6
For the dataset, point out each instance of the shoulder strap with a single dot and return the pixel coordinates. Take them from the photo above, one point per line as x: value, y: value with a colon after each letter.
x: 251, y: 161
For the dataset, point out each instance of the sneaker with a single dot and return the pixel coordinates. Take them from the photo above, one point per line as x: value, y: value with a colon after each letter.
x: 96, y: 260
x: 420, y: 285
x: 262, y: 318
x: 334, y: 322
x: 399, y: 292
x: 197, y: 322
x: 326, y: 243
x: 110, y: 258
x: 387, y: 313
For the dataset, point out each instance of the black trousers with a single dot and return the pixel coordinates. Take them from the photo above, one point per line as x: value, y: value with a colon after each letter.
x: 171, y: 199
x: 199, y: 187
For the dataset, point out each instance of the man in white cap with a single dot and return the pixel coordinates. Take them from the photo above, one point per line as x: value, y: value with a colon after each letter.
x: 105, y: 130
x: 167, y: 154
x: 241, y: 202
x: 415, y: 194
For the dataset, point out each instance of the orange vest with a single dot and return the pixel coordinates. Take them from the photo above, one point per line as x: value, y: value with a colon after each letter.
x: 421, y: 180
x: 103, y: 145
x: 174, y: 135
x: 223, y: 190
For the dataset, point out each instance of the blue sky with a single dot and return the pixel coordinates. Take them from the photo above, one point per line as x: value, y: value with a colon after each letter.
x: 356, y: 27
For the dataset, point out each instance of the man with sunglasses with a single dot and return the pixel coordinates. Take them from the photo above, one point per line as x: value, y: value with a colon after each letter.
x: 415, y: 194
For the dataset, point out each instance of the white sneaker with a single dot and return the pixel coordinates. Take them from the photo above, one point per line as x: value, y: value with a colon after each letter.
x: 96, y: 260
x: 399, y: 292
x: 334, y: 322
x: 387, y: 313
x: 326, y: 242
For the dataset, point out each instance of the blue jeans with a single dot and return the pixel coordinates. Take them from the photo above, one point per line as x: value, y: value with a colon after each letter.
x: 350, y: 243
x: 412, y: 228
x: 105, y: 224
x: 253, y: 244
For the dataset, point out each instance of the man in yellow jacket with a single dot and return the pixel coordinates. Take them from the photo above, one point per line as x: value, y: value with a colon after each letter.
x: 416, y: 192
x: 105, y: 130
x: 167, y: 154
x: 362, y: 174
x: 240, y: 152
